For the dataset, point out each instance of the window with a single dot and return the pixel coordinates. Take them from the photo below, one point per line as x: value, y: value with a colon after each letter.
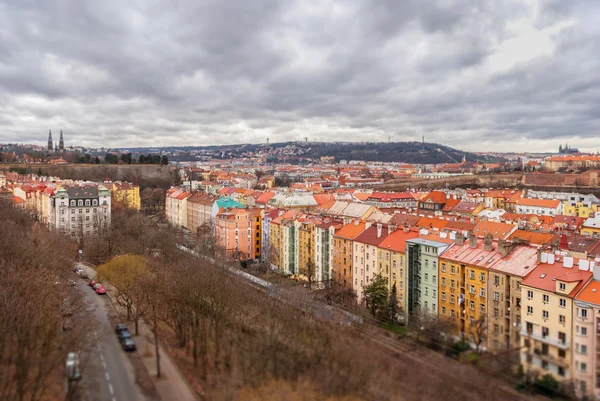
x: 472, y: 305
x: 451, y: 283
x: 472, y: 275
x: 529, y: 294
x: 472, y: 289
x: 443, y: 296
x: 451, y: 299
x: 433, y: 279
x: 443, y: 310
x: 583, y: 349
x: 482, y: 292
x: 545, y: 298
x: 584, y: 313
x: 481, y: 276
x: 583, y: 366
x: 496, y: 280
x: 426, y: 277
x: 584, y: 331
x: 496, y: 296
x: 95, y: 202
x: 481, y: 308
x: 443, y: 280
x: 452, y: 269
x: 73, y: 203
x: 562, y: 353
x: 545, y: 314
x: 562, y: 303
x: 529, y: 309
x: 545, y: 332
x: 496, y: 312
x: 451, y: 313
x: 562, y: 286
x: 443, y: 267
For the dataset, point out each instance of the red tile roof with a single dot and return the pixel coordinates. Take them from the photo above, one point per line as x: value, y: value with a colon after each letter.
x: 544, y: 275
x: 396, y: 241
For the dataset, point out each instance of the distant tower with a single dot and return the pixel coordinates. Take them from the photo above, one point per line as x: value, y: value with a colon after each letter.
x: 464, y: 158
x: 50, y: 144
x: 61, y: 143
x: 423, y: 139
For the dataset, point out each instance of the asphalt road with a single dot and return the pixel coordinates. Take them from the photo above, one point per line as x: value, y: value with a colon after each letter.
x: 107, y: 374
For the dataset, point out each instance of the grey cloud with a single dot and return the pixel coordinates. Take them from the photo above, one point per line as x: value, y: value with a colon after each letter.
x: 154, y: 73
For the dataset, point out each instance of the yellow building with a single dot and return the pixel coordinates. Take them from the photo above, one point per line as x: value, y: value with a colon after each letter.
x: 591, y: 227
x: 462, y: 290
x: 307, y: 249
x: 127, y: 195
x: 547, y: 311
x: 580, y: 209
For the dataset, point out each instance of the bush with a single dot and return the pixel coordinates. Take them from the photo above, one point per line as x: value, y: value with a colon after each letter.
x: 547, y: 385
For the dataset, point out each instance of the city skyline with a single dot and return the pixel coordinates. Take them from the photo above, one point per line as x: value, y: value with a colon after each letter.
x: 479, y: 77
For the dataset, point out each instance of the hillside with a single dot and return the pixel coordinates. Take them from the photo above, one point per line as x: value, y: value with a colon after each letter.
x: 294, y: 152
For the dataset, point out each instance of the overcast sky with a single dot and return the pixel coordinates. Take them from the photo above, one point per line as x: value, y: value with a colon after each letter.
x: 474, y: 74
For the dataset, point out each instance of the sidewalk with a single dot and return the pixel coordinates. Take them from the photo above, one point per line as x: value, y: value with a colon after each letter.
x: 172, y: 386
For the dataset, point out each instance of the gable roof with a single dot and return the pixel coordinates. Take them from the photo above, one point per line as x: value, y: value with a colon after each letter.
x: 396, y: 241
x: 351, y: 231
x: 533, y: 237
x: 435, y: 197
x: 545, y: 275
x: 498, y: 230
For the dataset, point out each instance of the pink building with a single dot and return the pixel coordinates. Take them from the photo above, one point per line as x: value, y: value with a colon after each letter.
x: 586, y: 339
x: 234, y: 233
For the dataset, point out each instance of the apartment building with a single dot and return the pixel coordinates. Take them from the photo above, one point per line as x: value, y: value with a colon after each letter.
x: 126, y: 194
x: 235, y: 231
x: 79, y: 211
x: 324, y: 233
x: 176, y: 207
x: 542, y: 207
x: 342, y: 252
x: 365, y: 263
x: 547, y: 296
x: 392, y: 260
x: 421, y: 273
x: 199, y: 211
x: 586, y: 338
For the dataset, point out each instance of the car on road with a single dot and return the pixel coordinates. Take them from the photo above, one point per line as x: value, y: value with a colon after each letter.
x: 128, y: 344
x: 92, y: 283
x: 100, y: 290
x: 120, y: 327
x: 72, y: 366
x: 124, y: 335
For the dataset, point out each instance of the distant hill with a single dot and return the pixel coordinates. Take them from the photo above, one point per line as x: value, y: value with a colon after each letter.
x: 404, y: 152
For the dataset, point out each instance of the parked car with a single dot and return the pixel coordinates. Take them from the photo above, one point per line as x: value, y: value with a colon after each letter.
x: 92, y: 283
x: 95, y: 286
x: 72, y: 366
x: 124, y: 335
x: 100, y: 290
x: 120, y: 327
x: 128, y: 344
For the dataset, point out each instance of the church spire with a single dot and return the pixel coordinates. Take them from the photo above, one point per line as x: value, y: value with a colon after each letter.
x: 61, y: 143
x: 50, y: 145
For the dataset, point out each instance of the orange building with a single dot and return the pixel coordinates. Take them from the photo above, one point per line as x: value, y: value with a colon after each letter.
x: 342, y: 251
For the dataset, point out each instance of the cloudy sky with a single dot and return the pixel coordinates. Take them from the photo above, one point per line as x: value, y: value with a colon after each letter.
x: 475, y: 74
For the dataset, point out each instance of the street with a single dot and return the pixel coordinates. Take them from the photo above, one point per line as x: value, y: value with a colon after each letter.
x: 107, y: 373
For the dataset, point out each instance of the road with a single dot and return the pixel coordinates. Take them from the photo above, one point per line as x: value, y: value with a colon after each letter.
x: 107, y: 374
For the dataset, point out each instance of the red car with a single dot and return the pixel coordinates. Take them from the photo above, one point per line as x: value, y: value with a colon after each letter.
x: 100, y: 290
x: 92, y: 283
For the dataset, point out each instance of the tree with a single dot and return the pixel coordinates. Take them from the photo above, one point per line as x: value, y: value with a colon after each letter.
x: 164, y: 160
x: 478, y: 330
x: 126, y: 158
x: 126, y: 273
x: 547, y: 385
x: 376, y: 295
x: 393, y: 304
x: 142, y: 159
x: 111, y: 159
x: 97, y: 160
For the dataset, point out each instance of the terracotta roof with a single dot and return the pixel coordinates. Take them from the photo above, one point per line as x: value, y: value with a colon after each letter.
x: 465, y: 207
x: 498, y: 230
x: 16, y: 199
x: 401, y: 219
x: 579, y: 243
x: 361, y: 196
x: 533, y: 237
x: 591, y: 293
x: 459, y: 225
x: 450, y: 204
x: 369, y: 236
x: 323, y: 198
x: 544, y: 276
x: 546, y: 203
x: 431, y: 222
x: 396, y: 241
x: 351, y: 231
x: 265, y: 197
x: 435, y: 197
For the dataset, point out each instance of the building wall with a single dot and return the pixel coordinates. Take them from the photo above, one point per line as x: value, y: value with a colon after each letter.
x: 549, y: 353
x: 503, y: 311
x: 342, y: 261
x: 586, y: 353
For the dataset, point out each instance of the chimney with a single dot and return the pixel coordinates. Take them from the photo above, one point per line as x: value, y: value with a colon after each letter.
x: 472, y: 240
x: 405, y: 228
x: 453, y: 235
x: 355, y: 222
x: 367, y: 224
x: 487, y: 242
x: 568, y: 261
x: 596, y: 273
x: 391, y: 228
x: 550, y: 257
x: 502, y: 247
x: 584, y: 265
x: 460, y: 239
x: 379, y: 226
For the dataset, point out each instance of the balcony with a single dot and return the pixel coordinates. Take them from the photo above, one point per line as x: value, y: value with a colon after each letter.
x: 547, y: 340
x: 551, y: 359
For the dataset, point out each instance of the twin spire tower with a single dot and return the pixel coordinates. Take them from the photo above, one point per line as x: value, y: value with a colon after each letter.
x: 54, y: 148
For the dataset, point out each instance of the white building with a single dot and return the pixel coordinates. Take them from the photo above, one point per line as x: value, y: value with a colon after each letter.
x: 79, y: 210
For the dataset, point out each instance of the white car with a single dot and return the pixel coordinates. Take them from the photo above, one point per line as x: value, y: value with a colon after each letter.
x: 72, y: 366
